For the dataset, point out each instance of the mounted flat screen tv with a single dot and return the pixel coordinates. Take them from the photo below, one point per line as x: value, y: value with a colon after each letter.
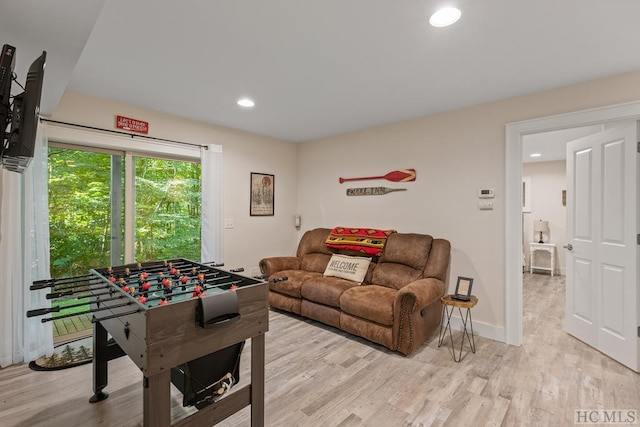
x: 21, y: 141
x: 7, y: 61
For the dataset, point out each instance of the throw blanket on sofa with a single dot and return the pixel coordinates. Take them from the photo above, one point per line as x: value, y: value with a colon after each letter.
x: 364, y: 240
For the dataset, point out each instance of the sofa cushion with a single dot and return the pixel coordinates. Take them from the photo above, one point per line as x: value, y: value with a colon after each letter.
x: 293, y: 284
x: 315, y: 262
x: 326, y: 290
x: 348, y: 267
x: 369, y: 330
x: 394, y: 276
x: 321, y: 313
x: 403, y: 260
x: 312, y: 241
x: 370, y: 302
x: 284, y: 302
x: 409, y: 249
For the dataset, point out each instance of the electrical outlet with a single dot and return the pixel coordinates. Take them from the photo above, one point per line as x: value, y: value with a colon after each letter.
x: 228, y: 223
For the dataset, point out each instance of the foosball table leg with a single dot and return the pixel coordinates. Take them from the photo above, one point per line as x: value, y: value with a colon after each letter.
x: 257, y: 380
x: 156, y: 400
x: 100, y: 359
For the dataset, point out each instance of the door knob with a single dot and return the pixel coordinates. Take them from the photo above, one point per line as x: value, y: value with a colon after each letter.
x: 568, y: 246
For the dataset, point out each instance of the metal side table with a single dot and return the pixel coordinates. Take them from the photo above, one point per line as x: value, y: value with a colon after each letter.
x: 449, y: 306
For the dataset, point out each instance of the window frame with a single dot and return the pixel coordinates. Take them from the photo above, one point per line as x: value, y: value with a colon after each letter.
x: 104, y: 142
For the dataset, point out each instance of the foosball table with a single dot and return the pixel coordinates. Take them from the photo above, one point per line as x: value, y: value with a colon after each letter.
x: 179, y: 321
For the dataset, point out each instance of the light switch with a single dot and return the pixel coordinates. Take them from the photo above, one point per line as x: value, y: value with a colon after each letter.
x: 485, y: 205
x: 228, y: 223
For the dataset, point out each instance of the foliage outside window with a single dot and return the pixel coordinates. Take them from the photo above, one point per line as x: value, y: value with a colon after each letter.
x: 79, y: 211
x: 168, y: 201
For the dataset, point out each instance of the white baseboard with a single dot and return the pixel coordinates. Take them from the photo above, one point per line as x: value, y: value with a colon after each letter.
x: 480, y: 329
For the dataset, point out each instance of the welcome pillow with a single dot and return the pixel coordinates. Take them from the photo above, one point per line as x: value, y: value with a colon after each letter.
x: 348, y: 267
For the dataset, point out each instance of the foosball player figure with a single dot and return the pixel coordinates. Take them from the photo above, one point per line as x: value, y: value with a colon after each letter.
x: 160, y: 279
x: 138, y: 267
x: 233, y: 287
x: 110, y: 271
x: 201, y: 282
x: 184, y: 280
x: 173, y: 271
x: 121, y: 282
x: 142, y: 299
x: 163, y: 301
x: 132, y: 291
x: 144, y: 275
x: 125, y: 288
x: 112, y: 279
x: 194, y: 271
x: 145, y: 288
x: 166, y: 283
x: 169, y: 266
x: 165, y: 264
x: 168, y: 289
x: 127, y: 273
x: 197, y: 291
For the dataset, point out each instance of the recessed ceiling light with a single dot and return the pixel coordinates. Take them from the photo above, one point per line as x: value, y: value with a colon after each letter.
x: 535, y: 155
x: 246, y: 102
x: 445, y: 16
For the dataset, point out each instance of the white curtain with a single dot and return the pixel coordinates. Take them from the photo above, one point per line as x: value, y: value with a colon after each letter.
x: 211, y: 166
x: 24, y: 257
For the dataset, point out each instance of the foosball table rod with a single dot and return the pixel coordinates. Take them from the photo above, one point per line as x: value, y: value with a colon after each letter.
x: 54, y: 295
x: 93, y: 310
x: 57, y: 309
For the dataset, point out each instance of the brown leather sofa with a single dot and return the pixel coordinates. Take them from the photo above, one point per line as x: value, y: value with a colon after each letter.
x: 398, y: 303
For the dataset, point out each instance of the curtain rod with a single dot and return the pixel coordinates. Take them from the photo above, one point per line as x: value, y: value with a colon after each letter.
x: 117, y: 132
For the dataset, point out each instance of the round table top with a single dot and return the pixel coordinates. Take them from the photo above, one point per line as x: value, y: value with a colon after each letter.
x: 448, y: 300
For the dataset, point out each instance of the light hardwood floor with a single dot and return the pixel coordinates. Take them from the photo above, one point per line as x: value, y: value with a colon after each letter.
x: 319, y: 376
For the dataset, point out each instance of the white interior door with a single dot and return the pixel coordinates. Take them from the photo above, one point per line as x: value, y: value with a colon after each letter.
x: 602, y: 289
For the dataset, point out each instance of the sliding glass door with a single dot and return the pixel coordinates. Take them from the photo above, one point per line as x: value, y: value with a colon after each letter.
x: 92, y: 226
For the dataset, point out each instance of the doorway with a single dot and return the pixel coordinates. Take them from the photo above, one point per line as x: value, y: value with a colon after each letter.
x: 513, y: 174
x: 544, y: 201
x: 544, y: 225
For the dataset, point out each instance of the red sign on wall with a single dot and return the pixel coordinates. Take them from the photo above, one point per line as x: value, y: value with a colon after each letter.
x: 132, y: 125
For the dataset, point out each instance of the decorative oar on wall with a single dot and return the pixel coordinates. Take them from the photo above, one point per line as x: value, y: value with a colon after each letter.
x: 402, y: 175
x: 372, y: 191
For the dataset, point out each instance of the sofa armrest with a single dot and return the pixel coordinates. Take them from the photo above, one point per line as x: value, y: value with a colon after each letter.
x: 272, y: 265
x: 421, y: 293
x: 417, y: 312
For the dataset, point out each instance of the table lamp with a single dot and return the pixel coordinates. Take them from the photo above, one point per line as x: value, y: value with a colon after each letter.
x: 541, y: 227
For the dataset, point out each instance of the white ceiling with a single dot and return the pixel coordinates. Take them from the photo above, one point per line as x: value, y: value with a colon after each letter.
x: 553, y: 145
x: 316, y: 68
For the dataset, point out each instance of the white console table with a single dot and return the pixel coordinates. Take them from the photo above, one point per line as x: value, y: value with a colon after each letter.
x: 545, y: 247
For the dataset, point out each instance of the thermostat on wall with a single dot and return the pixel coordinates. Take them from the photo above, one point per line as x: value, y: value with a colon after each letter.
x: 486, y: 193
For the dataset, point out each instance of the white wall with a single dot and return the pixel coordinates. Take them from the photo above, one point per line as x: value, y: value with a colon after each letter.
x: 548, y: 179
x: 252, y: 237
x: 455, y: 154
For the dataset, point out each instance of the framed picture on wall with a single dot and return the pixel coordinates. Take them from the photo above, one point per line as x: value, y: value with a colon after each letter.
x: 262, y: 194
